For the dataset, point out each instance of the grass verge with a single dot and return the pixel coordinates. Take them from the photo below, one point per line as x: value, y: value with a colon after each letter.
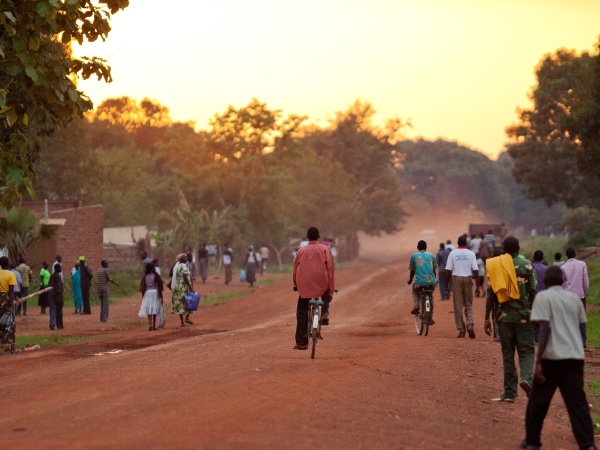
x: 50, y: 340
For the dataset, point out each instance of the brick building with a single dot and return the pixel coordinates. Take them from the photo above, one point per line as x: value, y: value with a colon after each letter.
x: 79, y: 231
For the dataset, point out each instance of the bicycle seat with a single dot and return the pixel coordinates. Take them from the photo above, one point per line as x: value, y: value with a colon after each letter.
x: 427, y: 289
x: 316, y: 302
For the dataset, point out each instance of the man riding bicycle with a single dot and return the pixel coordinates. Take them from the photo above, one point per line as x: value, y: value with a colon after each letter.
x: 422, y: 265
x: 313, y: 278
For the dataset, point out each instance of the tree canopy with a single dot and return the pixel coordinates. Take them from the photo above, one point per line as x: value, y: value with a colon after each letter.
x: 556, y: 143
x: 38, y: 91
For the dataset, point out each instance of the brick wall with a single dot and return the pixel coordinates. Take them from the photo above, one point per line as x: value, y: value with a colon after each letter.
x: 82, y: 234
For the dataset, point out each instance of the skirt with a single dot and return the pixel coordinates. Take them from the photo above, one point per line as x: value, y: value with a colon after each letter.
x: 150, y: 303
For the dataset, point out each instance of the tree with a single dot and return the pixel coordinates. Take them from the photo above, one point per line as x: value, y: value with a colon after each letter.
x: 251, y: 130
x: 38, y: 91
x: 556, y: 143
x: 20, y: 229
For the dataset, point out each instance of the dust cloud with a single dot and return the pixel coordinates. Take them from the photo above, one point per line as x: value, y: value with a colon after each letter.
x: 433, y: 226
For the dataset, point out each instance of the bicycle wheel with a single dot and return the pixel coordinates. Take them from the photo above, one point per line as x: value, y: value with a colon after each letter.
x: 425, y: 315
x: 418, y: 327
x: 313, y: 347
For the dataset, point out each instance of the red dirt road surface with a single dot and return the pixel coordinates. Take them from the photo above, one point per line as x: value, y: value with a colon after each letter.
x: 232, y: 380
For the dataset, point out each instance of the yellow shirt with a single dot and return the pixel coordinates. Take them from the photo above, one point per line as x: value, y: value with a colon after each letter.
x: 7, y: 278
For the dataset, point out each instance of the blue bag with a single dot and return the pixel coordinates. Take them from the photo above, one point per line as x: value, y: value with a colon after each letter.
x: 191, y: 301
x: 243, y: 276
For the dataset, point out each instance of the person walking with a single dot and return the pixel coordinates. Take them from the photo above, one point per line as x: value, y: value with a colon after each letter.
x: 422, y: 266
x: 227, y: 260
x: 8, y: 327
x: 511, y: 292
x: 558, y: 259
x: 26, y: 276
x: 56, y: 298
x: 104, y: 281
x: 480, y: 289
x: 442, y: 259
x: 43, y: 302
x: 313, y: 277
x: 559, y: 364
x: 151, y: 287
x: 57, y: 263
x: 251, y: 265
x: 76, y: 289
x: 540, y: 270
x: 203, y: 262
x: 461, y: 268
x: 183, y: 286
x: 17, y: 289
x: 85, y: 282
x: 576, y: 280
x: 264, y: 258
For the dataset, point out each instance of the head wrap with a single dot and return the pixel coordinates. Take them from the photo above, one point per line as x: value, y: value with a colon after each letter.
x: 181, y: 255
x: 82, y: 258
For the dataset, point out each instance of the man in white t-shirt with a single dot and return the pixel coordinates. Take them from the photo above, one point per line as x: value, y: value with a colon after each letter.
x: 461, y: 268
x: 560, y: 362
x: 475, y: 244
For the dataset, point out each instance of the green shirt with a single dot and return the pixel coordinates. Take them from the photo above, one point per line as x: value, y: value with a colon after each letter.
x: 518, y: 310
x: 45, y: 276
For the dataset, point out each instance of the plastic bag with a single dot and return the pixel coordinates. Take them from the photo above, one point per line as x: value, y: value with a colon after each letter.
x: 191, y: 301
x: 243, y: 276
x: 161, y: 318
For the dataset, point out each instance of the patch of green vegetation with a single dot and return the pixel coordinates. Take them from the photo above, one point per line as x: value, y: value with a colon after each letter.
x: 593, y: 330
x: 592, y: 389
x: 50, y: 340
x: 213, y: 299
x: 546, y: 244
x: 266, y: 282
x: 594, y: 274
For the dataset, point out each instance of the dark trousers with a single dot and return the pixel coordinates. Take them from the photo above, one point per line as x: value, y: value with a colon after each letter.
x: 59, y: 315
x: 519, y: 337
x: 567, y: 375
x: 103, y: 294
x: 85, y: 294
x: 582, y: 327
x: 302, y: 318
x: 442, y: 284
x: 23, y: 306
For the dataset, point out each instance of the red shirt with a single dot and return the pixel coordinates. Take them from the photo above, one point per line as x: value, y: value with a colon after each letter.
x: 313, y: 270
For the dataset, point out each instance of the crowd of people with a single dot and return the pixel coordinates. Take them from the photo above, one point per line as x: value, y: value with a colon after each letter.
x: 526, y: 304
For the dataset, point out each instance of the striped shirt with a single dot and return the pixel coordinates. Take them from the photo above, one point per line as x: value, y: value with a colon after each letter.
x: 103, y: 279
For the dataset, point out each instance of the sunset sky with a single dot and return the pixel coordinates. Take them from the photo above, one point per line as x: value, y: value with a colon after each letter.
x: 457, y: 68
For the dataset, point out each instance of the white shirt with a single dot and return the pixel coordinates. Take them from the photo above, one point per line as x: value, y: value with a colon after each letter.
x: 564, y: 310
x: 461, y: 262
x: 475, y: 244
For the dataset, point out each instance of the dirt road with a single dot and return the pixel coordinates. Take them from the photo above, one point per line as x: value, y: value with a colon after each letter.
x: 232, y: 380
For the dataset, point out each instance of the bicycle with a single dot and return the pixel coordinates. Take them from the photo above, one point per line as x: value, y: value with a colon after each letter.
x: 424, y: 317
x: 314, y: 324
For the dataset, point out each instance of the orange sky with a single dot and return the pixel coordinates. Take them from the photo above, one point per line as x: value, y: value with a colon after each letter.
x: 457, y: 68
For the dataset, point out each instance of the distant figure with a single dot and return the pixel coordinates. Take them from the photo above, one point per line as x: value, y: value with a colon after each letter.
x: 183, y: 286
x: 203, y: 262
x: 227, y: 260
x: 104, y: 281
x: 489, y: 238
x: 191, y: 262
x: 475, y: 244
x: 462, y: 268
x: 558, y: 259
x: 26, y: 276
x: 251, y: 265
x: 484, y: 248
x: 76, y: 289
x: 480, y: 290
x: 57, y: 263
x: 17, y: 289
x: 449, y: 245
x: 155, y: 264
x: 442, y: 259
x: 540, y: 269
x: 151, y: 287
x: 559, y: 364
x: 44, y: 281
x: 576, y: 281
x: 85, y: 281
x: 423, y: 267
x: 56, y: 298
x: 503, y: 231
x: 145, y: 259
x: 264, y: 258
